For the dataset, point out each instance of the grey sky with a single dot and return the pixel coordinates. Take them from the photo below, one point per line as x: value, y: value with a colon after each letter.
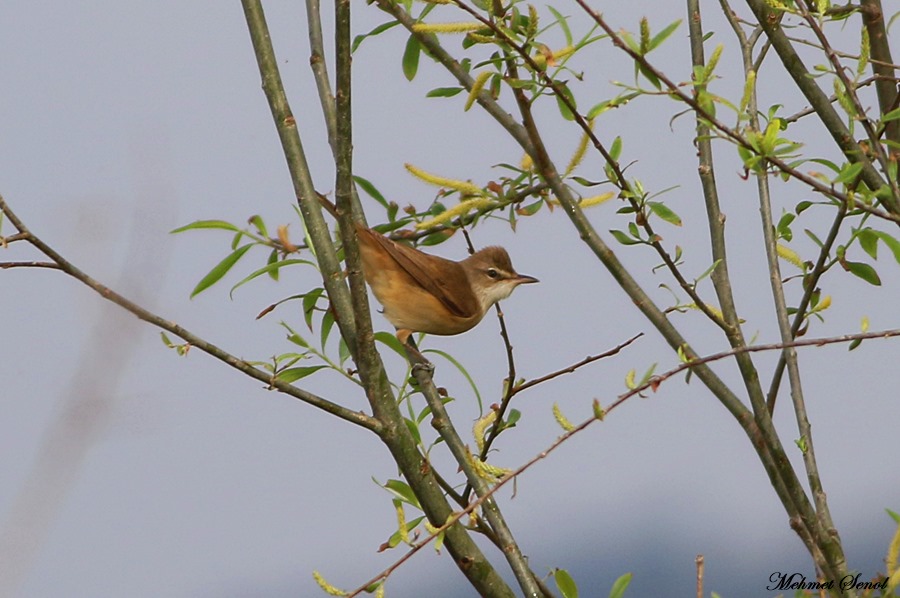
x: 158, y: 475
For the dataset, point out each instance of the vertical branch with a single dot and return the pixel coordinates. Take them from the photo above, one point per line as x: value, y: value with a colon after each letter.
x: 811, y: 282
x: 505, y: 540
x: 706, y: 171
x: 323, y: 86
x: 819, y: 535
x: 367, y: 359
x: 716, y: 222
x: 310, y: 208
x: 882, y: 66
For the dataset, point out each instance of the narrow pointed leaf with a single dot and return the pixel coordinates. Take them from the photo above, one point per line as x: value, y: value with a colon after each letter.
x: 664, y: 212
x: 411, y: 57
x: 268, y: 269
x: 565, y: 583
x: 621, y: 584
x: 293, y: 374
x: 370, y: 189
x: 663, y: 35
x: 220, y: 224
x: 220, y: 270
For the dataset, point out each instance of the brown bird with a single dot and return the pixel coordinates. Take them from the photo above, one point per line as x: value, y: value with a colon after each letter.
x: 427, y: 293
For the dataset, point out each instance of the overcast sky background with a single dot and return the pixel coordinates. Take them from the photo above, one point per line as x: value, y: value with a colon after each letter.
x: 129, y: 471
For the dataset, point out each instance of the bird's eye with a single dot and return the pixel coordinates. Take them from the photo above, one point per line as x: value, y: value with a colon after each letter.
x: 493, y: 273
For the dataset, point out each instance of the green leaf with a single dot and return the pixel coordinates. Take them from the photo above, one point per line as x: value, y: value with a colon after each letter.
x: 327, y: 325
x: 615, y: 150
x: 565, y: 583
x: 562, y: 21
x: 868, y: 240
x: 622, y: 238
x: 894, y: 516
x: 813, y: 236
x: 298, y: 340
x: 784, y: 226
x: 531, y: 209
x: 443, y: 92
x: 391, y: 342
x: 708, y: 271
x: 220, y: 270
x: 462, y: 370
x: 563, y: 108
x: 892, y: 115
x: 401, y: 490
x: 802, y: 207
x: 343, y: 351
x: 892, y: 243
x: 411, y: 57
x: 268, y: 269
x: 663, y: 35
x: 651, y: 77
x: 864, y: 271
x: 618, y: 588
x: 380, y: 29
x: 664, y: 212
x: 257, y: 221
x: 413, y: 428
x: 436, y: 238
x: 273, y: 258
x: 849, y: 173
x: 586, y: 182
x: 293, y: 374
x: 370, y: 189
x: 827, y: 163
x: 309, y: 303
x: 220, y: 224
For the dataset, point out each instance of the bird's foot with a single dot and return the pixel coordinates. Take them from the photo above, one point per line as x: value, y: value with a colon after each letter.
x: 423, y: 366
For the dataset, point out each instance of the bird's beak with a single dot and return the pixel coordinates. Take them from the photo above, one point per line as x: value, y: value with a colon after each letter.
x: 525, y: 279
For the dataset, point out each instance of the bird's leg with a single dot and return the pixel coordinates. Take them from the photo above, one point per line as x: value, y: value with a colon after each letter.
x: 418, y: 361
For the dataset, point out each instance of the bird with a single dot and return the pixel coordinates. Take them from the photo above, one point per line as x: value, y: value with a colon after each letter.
x: 426, y: 293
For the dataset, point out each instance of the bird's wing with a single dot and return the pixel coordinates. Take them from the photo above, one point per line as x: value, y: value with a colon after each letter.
x: 420, y: 267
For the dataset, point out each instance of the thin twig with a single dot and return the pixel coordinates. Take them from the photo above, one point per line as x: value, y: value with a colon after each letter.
x: 9, y: 265
x: 571, y: 368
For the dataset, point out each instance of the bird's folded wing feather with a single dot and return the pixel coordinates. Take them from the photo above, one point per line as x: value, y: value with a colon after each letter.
x: 464, y: 305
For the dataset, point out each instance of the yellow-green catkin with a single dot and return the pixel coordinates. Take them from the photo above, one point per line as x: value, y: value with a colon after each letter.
x: 596, y: 200
x: 477, y: 86
x: 479, y: 429
x: 464, y: 207
x: 788, y: 255
x: 561, y: 419
x: 580, y: 151
x: 327, y: 587
x: 864, y: 53
x: 447, y: 27
x: 749, y: 86
x: 464, y: 187
x: 401, y: 522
